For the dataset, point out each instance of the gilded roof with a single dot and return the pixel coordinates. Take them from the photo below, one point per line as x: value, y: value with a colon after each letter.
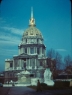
x: 32, y: 31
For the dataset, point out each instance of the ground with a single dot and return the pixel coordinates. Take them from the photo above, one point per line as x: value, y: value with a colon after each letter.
x: 28, y: 91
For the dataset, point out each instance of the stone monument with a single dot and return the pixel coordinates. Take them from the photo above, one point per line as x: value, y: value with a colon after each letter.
x: 24, y: 77
x: 48, y: 77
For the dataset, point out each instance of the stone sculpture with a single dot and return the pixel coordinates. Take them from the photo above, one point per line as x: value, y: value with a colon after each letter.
x: 48, y: 77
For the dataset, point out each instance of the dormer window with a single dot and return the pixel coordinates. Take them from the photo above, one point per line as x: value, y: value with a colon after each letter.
x: 31, y: 32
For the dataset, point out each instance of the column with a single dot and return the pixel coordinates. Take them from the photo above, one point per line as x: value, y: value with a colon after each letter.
x: 36, y: 50
x: 35, y: 64
x: 29, y: 64
x: 13, y: 64
x: 22, y: 50
x: 20, y: 67
x: 28, y: 50
x: 41, y: 51
x: 45, y: 63
x: 22, y: 64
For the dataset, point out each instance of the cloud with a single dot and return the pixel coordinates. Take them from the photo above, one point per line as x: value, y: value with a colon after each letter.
x: 8, y: 51
x: 9, y: 39
x: 12, y: 37
x: 63, y: 50
x: 14, y: 30
x: 2, y: 20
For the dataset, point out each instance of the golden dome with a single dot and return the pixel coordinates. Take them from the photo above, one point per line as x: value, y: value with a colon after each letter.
x: 32, y: 31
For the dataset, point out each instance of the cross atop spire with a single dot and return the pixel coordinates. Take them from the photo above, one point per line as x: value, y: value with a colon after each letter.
x: 32, y: 20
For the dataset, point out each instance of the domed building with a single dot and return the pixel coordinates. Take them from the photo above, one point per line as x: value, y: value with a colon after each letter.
x: 32, y: 53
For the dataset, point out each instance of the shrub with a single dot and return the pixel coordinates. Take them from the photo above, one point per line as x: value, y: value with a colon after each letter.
x: 62, y: 84
x: 43, y: 84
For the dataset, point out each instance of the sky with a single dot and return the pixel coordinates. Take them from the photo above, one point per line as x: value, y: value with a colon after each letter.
x: 53, y: 19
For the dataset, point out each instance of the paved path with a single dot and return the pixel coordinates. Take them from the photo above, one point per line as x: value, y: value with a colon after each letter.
x: 20, y: 91
x: 29, y: 91
x: 26, y: 91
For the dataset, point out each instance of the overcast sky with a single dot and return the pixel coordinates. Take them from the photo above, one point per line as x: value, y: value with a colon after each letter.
x: 53, y: 19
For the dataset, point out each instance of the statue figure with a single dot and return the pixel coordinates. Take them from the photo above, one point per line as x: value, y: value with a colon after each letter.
x: 47, y: 77
x: 47, y: 74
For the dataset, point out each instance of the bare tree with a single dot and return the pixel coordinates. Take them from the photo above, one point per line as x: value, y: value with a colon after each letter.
x: 58, y: 59
x: 51, y: 53
x: 67, y: 60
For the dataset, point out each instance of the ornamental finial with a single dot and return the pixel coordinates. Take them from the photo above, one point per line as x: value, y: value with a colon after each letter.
x: 32, y: 20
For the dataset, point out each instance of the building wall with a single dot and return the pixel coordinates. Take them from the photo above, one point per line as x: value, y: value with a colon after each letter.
x: 8, y: 64
x: 31, y: 44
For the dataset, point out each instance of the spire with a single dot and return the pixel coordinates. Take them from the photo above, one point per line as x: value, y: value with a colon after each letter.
x: 32, y: 20
x: 31, y: 12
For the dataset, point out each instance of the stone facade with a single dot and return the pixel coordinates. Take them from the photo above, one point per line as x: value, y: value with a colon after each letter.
x: 32, y: 53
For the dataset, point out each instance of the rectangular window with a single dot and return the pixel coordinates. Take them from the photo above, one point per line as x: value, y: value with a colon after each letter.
x: 37, y: 41
x: 26, y: 40
x: 32, y: 40
x: 40, y: 63
x: 24, y: 65
x: 25, y: 50
x: 11, y: 64
x: 32, y: 50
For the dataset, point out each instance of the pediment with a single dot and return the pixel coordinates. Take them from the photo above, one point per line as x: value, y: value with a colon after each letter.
x: 23, y: 54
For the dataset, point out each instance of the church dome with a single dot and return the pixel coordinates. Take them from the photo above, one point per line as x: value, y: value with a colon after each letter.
x: 32, y: 31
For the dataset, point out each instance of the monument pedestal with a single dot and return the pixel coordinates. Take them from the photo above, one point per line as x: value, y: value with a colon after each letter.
x: 49, y: 82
